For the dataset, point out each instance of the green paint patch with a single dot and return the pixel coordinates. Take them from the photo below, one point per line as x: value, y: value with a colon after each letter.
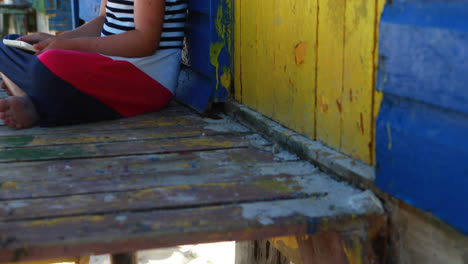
x: 20, y: 141
x: 274, y: 185
x: 41, y: 153
x: 215, y: 50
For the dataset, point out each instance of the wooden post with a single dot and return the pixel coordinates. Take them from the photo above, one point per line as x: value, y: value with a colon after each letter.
x: 323, y: 247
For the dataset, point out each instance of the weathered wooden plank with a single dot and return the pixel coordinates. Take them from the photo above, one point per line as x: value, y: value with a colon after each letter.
x: 77, y: 169
x: 358, y: 81
x: 125, y: 180
x: 233, y: 189
x: 330, y: 71
x: 106, y: 136
x: 125, y: 148
x: 129, y: 231
x: 152, y: 120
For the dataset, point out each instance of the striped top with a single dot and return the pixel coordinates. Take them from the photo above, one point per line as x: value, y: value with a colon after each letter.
x: 119, y: 19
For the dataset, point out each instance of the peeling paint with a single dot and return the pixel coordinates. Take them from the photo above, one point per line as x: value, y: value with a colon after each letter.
x: 14, y: 205
x: 339, y: 104
x: 223, y: 24
x: 300, y: 52
x: 389, y: 133
x: 121, y: 218
x: 226, y: 124
x: 322, y: 103
x: 109, y: 198
x: 215, y: 51
x: 226, y: 78
x: 9, y: 185
x: 337, y: 197
x: 354, y: 254
x: 66, y: 220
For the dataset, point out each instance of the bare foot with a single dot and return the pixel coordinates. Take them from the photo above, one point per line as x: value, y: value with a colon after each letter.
x: 18, y: 112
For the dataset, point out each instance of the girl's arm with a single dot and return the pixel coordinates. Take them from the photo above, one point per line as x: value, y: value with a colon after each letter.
x: 91, y: 29
x: 140, y: 42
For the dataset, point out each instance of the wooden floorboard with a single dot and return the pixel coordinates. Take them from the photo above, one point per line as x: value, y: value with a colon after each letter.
x: 202, y: 190
x: 87, y: 137
x: 145, y: 165
x: 96, y: 183
x: 155, y: 180
x: 161, y: 228
x: 138, y: 147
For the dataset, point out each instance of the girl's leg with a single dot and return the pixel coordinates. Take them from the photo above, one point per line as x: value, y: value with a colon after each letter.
x: 68, y: 87
x: 11, y: 87
x: 18, y: 110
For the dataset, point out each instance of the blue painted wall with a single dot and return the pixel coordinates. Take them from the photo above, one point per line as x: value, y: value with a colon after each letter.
x: 422, y: 128
x: 63, y: 14
x: 89, y: 9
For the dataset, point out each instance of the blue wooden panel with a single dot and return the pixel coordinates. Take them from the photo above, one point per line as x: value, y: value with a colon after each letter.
x: 89, y: 9
x: 422, y: 156
x: 61, y: 13
x: 51, y: 4
x: 424, y: 52
x: 202, y: 6
x: 209, y: 49
x: 422, y: 128
x: 221, y: 46
x: 198, y: 40
x: 194, y: 88
x: 75, y: 12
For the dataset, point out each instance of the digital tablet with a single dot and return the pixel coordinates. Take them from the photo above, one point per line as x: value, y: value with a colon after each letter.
x: 19, y: 44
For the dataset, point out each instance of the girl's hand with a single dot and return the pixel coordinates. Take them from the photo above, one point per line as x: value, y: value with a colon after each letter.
x: 35, y: 38
x: 53, y: 43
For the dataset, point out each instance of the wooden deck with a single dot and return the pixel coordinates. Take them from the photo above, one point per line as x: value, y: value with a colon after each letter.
x: 158, y: 180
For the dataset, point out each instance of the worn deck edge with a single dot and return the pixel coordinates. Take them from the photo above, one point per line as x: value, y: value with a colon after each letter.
x: 325, y: 158
x: 351, y: 225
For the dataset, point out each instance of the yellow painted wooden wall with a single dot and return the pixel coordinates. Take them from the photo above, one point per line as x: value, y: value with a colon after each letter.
x: 310, y: 65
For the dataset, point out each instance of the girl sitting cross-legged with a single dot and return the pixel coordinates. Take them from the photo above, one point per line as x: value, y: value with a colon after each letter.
x: 123, y: 63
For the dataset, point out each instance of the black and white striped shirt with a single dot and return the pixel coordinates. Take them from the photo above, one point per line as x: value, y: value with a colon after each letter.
x: 119, y: 19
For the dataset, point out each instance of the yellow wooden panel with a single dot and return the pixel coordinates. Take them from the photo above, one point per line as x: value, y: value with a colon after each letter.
x: 330, y: 71
x: 237, y: 50
x: 302, y: 67
x: 248, y: 54
x: 358, y: 81
x: 311, y: 80
x: 265, y: 31
x: 278, y: 60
